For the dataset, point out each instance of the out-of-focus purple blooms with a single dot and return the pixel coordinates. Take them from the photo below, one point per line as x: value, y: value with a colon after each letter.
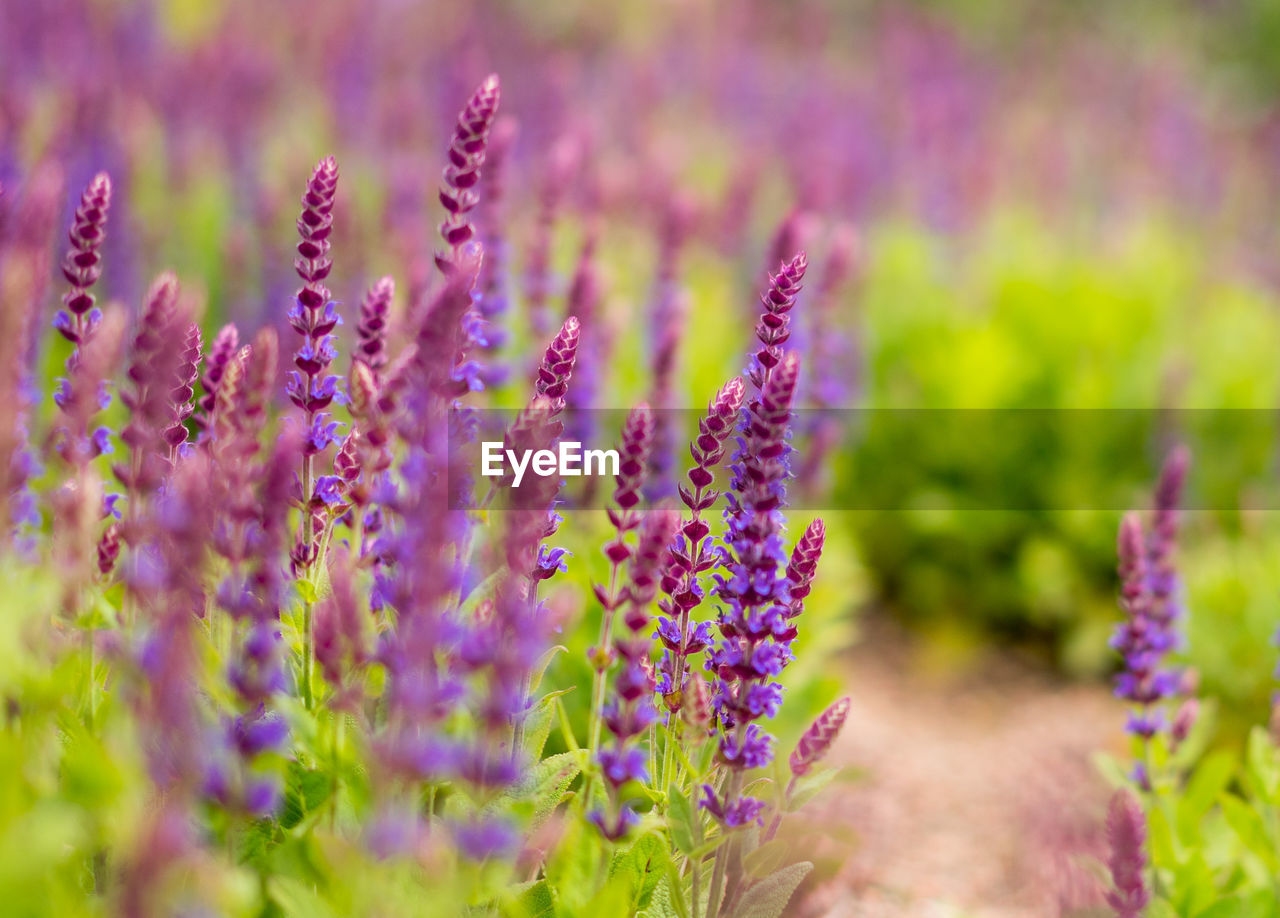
x: 690, y: 554
x: 1127, y: 835
x: 834, y: 346
x: 494, y: 283
x: 182, y: 392
x: 667, y: 323
x: 614, y: 826
x: 156, y: 378
x: 816, y: 741
x: 562, y: 164
x: 732, y: 814
x: 552, y: 380
x: 585, y: 295
x: 486, y: 838
x: 24, y: 281
x: 82, y: 265
x: 167, y: 583
x: 458, y: 188
x: 1161, y: 573
x: 109, y: 549
x: 224, y: 348
x: 371, y: 331
x: 1149, y: 598
x: 630, y: 711
x: 341, y: 640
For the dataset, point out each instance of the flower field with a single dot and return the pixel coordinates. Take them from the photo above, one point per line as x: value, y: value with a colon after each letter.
x: 684, y: 460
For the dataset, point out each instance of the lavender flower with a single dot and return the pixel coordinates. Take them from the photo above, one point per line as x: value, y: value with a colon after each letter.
x: 221, y: 352
x: 494, y: 282
x: 816, y: 741
x: 753, y: 624
x: 371, y: 331
x: 585, y: 295
x: 631, y: 712
x: 690, y: 554
x: 552, y: 380
x: 774, y: 326
x: 82, y: 265
x: 467, y: 151
x: 23, y: 284
x: 183, y: 391
x: 562, y: 164
x: 1127, y: 834
x: 314, y: 316
x: 1141, y: 640
x: 156, y: 381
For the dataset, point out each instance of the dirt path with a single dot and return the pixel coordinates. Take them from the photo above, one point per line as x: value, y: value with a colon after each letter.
x: 977, y: 798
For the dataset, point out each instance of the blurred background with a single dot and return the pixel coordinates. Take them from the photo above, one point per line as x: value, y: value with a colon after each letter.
x: 1044, y: 209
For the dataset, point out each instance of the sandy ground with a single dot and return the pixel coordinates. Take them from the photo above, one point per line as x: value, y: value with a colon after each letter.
x: 976, y: 794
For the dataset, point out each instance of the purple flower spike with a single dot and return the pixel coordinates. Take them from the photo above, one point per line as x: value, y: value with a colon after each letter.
x: 817, y: 740
x: 184, y: 389
x: 1126, y: 835
x: 458, y: 188
x: 552, y: 381
x: 630, y: 713
x: 804, y: 565
x: 371, y: 331
x: 82, y: 265
x: 221, y: 352
x: 774, y: 326
x: 1150, y: 598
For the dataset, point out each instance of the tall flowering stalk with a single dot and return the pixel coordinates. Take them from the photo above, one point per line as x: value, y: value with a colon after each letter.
x: 1150, y: 600
x: 633, y: 452
x: 82, y: 264
x: 494, y: 279
x: 24, y: 281
x: 225, y: 346
x: 667, y: 328
x: 371, y: 330
x: 1127, y: 835
x: 562, y: 164
x: 460, y: 194
x: 310, y: 386
x: 631, y: 712
x: 691, y: 556
x: 755, y: 632
x: 155, y: 372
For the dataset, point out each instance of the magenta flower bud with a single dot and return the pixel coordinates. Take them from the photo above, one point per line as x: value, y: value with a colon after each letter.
x: 224, y: 348
x: 315, y: 226
x: 774, y: 326
x: 109, y: 549
x: 816, y: 741
x: 1126, y: 835
x: 458, y: 191
x: 82, y: 265
x: 183, y: 390
x: 552, y: 380
x: 371, y: 331
x: 804, y: 565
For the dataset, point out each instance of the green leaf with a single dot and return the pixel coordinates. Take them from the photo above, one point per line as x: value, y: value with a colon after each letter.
x: 307, y: 591
x: 536, y: 901
x: 641, y: 867
x: 540, y: 667
x: 1206, y: 785
x: 306, y: 789
x: 767, y: 858
x: 1264, y: 765
x: 810, y: 786
x: 682, y: 819
x: 769, y: 897
x: 537, y: 725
